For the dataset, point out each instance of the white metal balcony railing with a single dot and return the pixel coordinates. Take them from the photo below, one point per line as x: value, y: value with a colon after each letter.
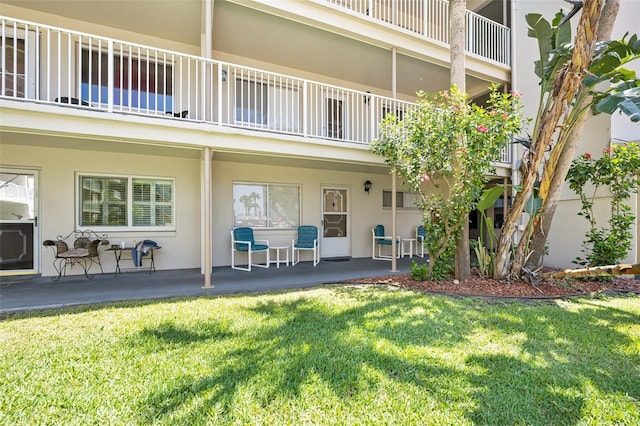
x: 51, y: 65
x: 430, y: 19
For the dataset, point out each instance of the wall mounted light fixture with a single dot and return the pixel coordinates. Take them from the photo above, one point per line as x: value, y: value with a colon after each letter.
x: 367, y: 186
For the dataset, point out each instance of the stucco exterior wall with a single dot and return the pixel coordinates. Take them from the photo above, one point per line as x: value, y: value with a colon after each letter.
x: 365, y: 210
x: 568, y: 229
x: 57, y: 169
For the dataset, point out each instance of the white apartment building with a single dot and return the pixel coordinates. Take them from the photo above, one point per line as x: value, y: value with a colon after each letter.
x: 568, y: 229
x: 178, y: 120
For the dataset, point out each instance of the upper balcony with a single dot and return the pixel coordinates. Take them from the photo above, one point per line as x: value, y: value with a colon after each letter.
x: 50, y: 65
x: 429, y: 19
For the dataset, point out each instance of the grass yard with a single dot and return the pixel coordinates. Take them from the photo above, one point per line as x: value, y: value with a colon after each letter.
x: 332, y: 355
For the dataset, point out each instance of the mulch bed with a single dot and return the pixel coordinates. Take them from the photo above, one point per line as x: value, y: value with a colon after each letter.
x: 486, y: 287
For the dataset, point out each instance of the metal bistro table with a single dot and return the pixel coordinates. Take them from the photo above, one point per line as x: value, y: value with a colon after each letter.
x: 118, y: 250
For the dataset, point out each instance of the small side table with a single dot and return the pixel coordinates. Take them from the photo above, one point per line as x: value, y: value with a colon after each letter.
x: 278, y: 251
x: 117, y: 252
x: 403, y: 244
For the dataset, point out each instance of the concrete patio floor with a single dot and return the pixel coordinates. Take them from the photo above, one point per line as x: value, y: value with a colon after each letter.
x: 35, y: 293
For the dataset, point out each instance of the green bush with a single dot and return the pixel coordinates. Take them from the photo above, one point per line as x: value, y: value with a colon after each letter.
x: 616, y: 171
x: 419, y: 272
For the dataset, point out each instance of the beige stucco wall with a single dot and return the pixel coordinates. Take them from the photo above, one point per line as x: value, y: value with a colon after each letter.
x: 365, y: 209
x: 57, y: 169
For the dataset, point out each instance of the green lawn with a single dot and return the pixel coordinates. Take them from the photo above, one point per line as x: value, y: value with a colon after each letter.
x: 331, y: 355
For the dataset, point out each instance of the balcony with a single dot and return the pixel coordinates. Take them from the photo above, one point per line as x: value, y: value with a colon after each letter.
x: 429, y: 19
x: 50, y: 65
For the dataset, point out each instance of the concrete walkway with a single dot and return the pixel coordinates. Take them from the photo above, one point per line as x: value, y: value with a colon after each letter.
x: 25, y: 294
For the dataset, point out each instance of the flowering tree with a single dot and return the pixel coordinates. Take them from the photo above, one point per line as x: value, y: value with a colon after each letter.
x: 619, y: 171
x: 444, y: 149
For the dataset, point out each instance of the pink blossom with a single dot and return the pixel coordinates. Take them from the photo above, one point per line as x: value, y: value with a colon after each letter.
x: 515, y: 94
x: 608, y: 150
x: 505, y: 116
x: 482, y: 129
x: 587, y: 156
x: 425, y: 178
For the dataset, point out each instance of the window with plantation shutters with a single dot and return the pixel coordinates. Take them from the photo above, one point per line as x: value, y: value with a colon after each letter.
x: 117, y: 202
x: 404, y: 200
x: 152, y: 202
x: 104, y: 201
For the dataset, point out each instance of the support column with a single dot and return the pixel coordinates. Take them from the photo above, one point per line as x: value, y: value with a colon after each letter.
x: 206, y: 46
x: 206, y: 29
x: 394, y: 230
x: 207, y: 218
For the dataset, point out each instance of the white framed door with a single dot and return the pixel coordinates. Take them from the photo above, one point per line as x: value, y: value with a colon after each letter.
x: 19, y: 235
x: 336, y: 229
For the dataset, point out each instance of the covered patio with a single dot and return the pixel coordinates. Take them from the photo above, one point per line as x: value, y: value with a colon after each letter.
x: 35, y: 293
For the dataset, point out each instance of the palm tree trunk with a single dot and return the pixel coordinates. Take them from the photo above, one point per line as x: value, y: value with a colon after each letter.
x: 556, y: 169
x: 565, y: 86
x: 595, y: 271
x: 457, y: 14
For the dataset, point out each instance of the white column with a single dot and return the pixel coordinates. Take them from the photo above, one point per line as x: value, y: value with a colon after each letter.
x: 206, y: 47
x: 207, y: 217
x: 394, y: 231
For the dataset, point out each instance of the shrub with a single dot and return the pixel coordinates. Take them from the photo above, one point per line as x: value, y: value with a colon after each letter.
x: 419, y: 272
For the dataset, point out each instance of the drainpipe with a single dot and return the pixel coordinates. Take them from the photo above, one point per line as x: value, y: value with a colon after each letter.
x: 515, y: 178
x: 394, y: 231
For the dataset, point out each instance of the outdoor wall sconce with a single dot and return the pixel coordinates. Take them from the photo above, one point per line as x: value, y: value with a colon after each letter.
x: 367, y: 186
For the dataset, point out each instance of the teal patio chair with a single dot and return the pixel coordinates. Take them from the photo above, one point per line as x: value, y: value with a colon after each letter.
x: 242, y: 241
x: 307, y: 240
x: 421, y: 236
x: 380, y: 240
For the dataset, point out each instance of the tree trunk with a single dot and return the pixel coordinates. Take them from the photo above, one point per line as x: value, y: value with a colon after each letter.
x: 565, y: 86
x: 595, y: 271
x: 555, y: 172
x: 551, y: 196
x: 457, y: 30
